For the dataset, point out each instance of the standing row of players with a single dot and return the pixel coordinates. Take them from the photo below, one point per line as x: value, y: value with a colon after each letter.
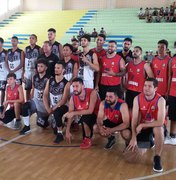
x: 78, y: 76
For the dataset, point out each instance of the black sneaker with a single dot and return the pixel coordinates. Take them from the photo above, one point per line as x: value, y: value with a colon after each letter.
x: 25, y: 130
x: 59, y: 138
x: 157, y: 167
x: 111, y: 142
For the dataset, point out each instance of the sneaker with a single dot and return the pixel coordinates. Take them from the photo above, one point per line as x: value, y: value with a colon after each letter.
x: 170, y: 140
x: 157, y: 167
x: 9, y: 125
x: 86, y: 143
x: 111, y: 142
x: 25, y: 130
x: 59, y: 138
x: 17, y: 125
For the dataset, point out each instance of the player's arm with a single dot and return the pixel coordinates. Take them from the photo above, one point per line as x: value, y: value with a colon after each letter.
x: 46, y: 99
x: 61, y: 52
x: 170, y: 73
x: 161, y: 115
x: 7, y: 63
x: 93, y: 100
x: 125, y: 118
x: 95, y: 65
x: 101, y: 115
x: 64, y: 97
x: 21, y: 65
x: 75, y: 71
x: 148, y: 70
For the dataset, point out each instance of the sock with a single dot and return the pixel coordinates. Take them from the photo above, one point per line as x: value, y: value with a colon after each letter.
x: 172, y: 135
x: 26, y: 121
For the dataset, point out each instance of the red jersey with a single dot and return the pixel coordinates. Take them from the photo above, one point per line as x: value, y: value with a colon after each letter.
x: 12, y: 94
x: 114, y: 115
x: 112, y: 64
x: 99, y: 54
x: 136, y: 76
x: 75, y: 57
x: 160, y: 70
x: 173, y: 78
x: 84, y: 104
x: 148, y: 108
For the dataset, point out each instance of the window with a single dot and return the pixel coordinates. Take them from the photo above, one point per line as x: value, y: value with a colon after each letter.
x: 13, y: 4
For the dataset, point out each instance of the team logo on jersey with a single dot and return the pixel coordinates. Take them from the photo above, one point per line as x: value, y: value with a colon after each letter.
x: 116, y: 116
x: 143, y: 108
x: 112, y: 63
x: 138, y: 70
x: 155, y: 66
x: 52, y: 83
x: 131, y: 70
x: 153, y: 108
x: 174, y: 66
x: 164, y: 65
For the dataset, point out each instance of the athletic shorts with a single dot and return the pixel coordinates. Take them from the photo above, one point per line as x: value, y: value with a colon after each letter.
x: 172, y: 108
x: 145, y: 138
x: 28, y: 84
x: 3, y: 85
x: 9, y: 116
x: 130, y: 95
x: 110, y: 124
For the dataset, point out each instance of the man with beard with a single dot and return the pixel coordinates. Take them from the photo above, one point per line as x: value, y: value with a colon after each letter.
x: 55, y: 97
x: 36, y: 105
x: 84, y: 103
x: 76, y: 51
x: 113, y: 116
x: 126, y: 53
x: 147, y: 121
x: 113, y: 68
x: 71, y: 67
x: 100, y: 52
x: 88, y: 63
x: 137, y: 71
x: 50, y: 57
x: 56, y: 46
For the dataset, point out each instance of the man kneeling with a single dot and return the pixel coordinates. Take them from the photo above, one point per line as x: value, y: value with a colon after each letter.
x: 113, y: 116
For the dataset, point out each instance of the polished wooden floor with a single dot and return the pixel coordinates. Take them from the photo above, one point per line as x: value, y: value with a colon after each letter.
x: 34, y: 156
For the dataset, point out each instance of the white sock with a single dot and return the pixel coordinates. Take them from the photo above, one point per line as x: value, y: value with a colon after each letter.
x: 26, y: 121
x: 58, y: 131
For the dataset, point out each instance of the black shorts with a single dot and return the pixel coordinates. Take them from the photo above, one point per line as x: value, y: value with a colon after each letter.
x: 3, y: 85
x: 110, y: 124
x: 172, y: 108
x: 145, y: 138
x: 130, y: 95
x: 9, y: 116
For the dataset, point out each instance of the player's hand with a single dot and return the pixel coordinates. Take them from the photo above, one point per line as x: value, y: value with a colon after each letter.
x: 49, y: 110
x: 110, y: 72
x: 69, y: 115
x: 84, y: 58
x: 132, y: 144
x: 68, y: 136
x: 139, y: 128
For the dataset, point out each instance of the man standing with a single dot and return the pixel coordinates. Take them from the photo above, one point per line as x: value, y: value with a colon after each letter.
x: 113, y: 116
x: 84, y: 103
x: 137, y: 71
x: 88, y: 63
x: 147, y: 121
x: 15, y: 59
x: 36, y: 105
x: 55, y: 97
x: 113, y: 68
x: 126, y: 53
x: 14, y: 100
x: 50, y: 57
x: 56, y: 46
x: 3, y: 72
x: 32, y: 53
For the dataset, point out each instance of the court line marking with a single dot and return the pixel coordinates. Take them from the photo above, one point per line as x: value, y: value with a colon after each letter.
x: 15, y: 138
x: 155, y: 175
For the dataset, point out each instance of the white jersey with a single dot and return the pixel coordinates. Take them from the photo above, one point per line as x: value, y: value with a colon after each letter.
x: 31, y: 56
x: 85, y: 71
x: 69, y: 67
x: 56, y: 90
x: 3, y: 68
x: 14, y: 60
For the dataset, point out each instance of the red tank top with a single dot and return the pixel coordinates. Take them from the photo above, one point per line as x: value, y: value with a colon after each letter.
x: 136, y: 76
x: 112, y: 64
x: 80, y: 105
x: 12, y: 94
x: 99, y: 54
x: 173, y: 78
x: 160, y: 70
x: 148, y: 108
x: 114, y: 115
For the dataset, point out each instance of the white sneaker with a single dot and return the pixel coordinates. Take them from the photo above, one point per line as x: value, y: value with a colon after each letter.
x: 10, y: 125
x: 171, y: 141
